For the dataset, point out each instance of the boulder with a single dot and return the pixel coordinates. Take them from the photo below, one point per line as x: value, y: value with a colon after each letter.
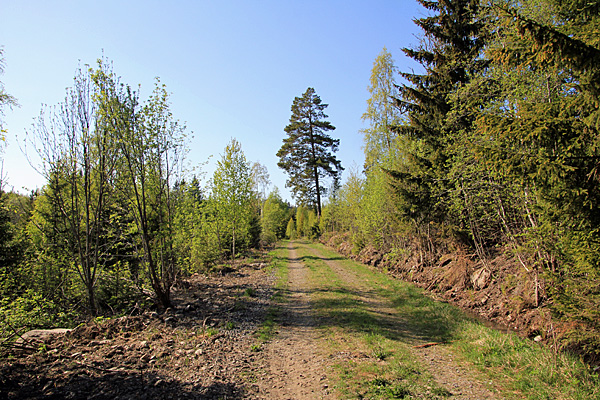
x: 40, y: 334
x: 480, y: 278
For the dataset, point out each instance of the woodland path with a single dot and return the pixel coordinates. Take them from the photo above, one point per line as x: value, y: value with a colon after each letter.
x: 205, y: 347
x: 296, y: 365
x: 298, y: 360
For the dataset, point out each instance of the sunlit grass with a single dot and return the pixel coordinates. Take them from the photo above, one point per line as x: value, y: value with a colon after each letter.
x: 376, y: 359
x: 525, y: 366
x: 279, y: 267
x: 368, y: 360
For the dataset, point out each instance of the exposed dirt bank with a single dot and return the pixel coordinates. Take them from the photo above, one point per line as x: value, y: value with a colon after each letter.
x: 500, y: 292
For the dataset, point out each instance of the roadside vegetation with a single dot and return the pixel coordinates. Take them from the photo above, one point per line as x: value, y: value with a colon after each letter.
x: 482, y: 172
x: 277, y: 266
x: 481, y: 166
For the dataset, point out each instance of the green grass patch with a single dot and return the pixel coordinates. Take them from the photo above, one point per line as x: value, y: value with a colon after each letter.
x: 526, y: 367
x: 229, y: 325
x: 370, y: 359
x: 372, y: 352
x: 278, y: 266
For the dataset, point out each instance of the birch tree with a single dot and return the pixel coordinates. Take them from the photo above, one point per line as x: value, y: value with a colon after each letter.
x: 232, y: 186
x: 78, y: 156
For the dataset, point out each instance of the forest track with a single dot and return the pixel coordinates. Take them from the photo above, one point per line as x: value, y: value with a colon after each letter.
x: 205, y: 348
x: 294, y: 361
x: 299, y: 360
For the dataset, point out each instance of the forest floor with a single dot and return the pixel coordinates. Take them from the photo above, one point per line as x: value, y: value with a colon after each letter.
x: 336, y: 335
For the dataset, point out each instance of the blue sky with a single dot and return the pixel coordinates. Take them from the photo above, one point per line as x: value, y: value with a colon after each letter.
x: 233, y: 67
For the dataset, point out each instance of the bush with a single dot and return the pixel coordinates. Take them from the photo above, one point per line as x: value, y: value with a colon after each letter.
x: 31, y: 311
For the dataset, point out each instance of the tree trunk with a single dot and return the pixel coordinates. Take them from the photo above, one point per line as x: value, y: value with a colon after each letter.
x: 91, y: 299
x: 233, y: 245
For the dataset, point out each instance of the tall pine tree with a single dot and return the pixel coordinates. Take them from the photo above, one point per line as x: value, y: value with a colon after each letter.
x: 307, y: 152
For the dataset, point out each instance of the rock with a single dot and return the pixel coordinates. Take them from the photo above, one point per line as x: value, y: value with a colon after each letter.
x: 480, y: 278
x: 538, y: 338
x: 41, y: 334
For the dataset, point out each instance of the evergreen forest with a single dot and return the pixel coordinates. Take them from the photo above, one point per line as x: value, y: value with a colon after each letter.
x: 491, y: 150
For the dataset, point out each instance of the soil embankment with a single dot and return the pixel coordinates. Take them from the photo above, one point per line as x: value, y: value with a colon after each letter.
x: 501, y: 291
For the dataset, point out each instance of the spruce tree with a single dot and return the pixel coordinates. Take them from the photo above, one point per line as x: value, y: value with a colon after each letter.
x: 450, y: 56
x: 546, y: 137
x: 307, y: 152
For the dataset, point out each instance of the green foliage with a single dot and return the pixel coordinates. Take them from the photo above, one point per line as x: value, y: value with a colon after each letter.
x: 79, y: 158
x: 312, y: 230
x: 274, y: 219
x: 197, y: 241
x: 382, y: 115
x: 13, y: 244
x: 233, y: 197
x: 306, y: 222
x: 301, y: 221
x: 30, y: 310
x: 450, y: 57
x: 106, y: 214
x: 290, y: 230
x: 117, y: 289
x: 260, y: 180
x: 547, y: 140
x: 496, y: 150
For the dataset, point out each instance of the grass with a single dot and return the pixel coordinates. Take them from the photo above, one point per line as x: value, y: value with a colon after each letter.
x: 209, y: 331
x: 229, y: 325
x: 370, y: 359
x: 373, y: 351
x: 268, y: 328
x: 526, y: 367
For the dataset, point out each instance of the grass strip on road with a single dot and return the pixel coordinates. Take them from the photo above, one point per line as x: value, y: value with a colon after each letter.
x: 279, y: 267
x: 369, y: 357
x: 373, y: 350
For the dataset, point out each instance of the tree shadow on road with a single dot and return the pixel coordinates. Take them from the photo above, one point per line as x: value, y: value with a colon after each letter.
x: 398, y: 312
x: 100, y: 381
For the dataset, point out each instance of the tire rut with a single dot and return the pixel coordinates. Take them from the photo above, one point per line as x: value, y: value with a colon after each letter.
x: 295, y: 366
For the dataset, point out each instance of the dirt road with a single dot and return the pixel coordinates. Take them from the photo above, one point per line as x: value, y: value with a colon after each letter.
x: 338, y: 337
x: 295, y: 363
x: 300, y: 359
